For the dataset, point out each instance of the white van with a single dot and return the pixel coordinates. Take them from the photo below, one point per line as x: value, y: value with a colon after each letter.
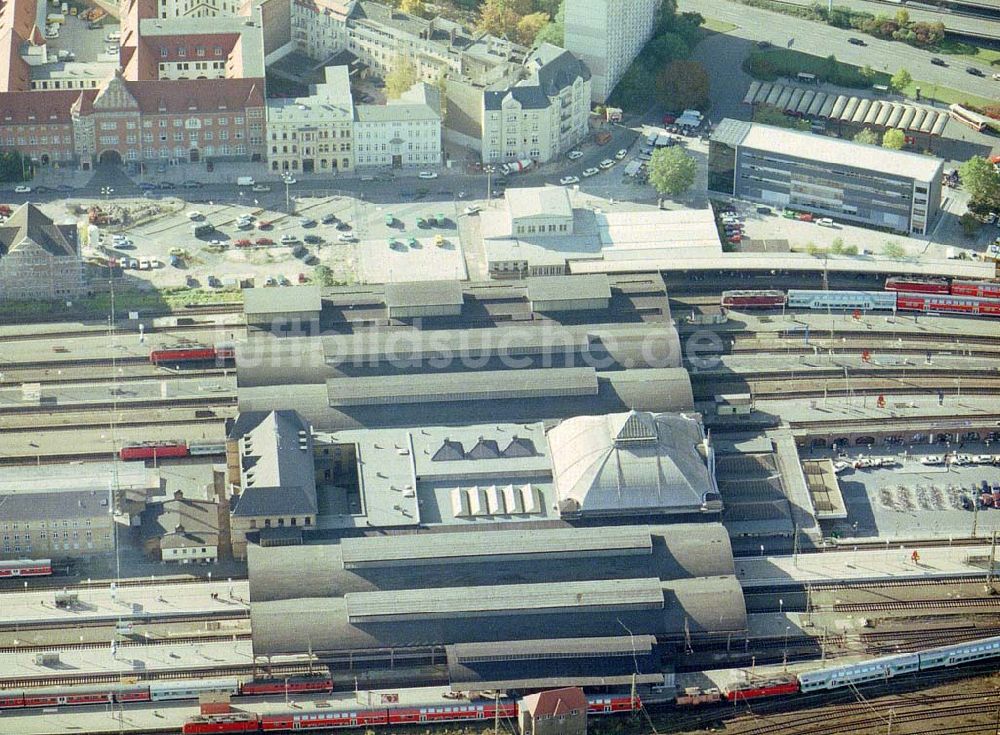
x: 145, y: 264
x: 245, y: 181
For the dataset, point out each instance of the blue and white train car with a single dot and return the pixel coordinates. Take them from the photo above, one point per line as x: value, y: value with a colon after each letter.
x: 191, y: 689
x: 859, y: 673
x: 960, y: 653
x: 865, y: 300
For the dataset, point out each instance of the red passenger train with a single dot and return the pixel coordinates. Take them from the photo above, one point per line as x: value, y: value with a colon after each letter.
x: 947, y: 303
x: 381, y: 716
x: 154, y: 450
x: 917, y: 285
x: 25, y: 568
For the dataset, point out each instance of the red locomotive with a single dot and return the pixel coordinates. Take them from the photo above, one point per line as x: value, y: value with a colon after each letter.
x: 183, y: 353
x: 26, y: 568
x: 154, y: 450
x: 763, y: 688
x: 764, y: 299
x: 292, y: 685
x: 917, y: 285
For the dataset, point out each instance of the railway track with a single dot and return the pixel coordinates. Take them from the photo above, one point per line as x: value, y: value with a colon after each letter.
x: 56, y: 584
x: 51, y: 380
x: 239, y: 670
x: 219, y: 399
x: 893, y: 605
x: 127, y: 643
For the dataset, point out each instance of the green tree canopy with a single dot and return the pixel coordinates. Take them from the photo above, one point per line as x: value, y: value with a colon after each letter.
x: 982, y: 181
x: 671, y: 170
x: 894, y: 139
x: 901, y: 80
x: 867, y: 136
x: 683, y: 84
x: 400, y: 78
x: 530, y: 26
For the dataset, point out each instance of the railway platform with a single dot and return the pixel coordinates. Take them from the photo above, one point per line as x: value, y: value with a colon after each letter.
x: 847, y: 565
x: 29, y: 610
x: 125, y: 394
x: 126, y: 660
x: 53, y: 347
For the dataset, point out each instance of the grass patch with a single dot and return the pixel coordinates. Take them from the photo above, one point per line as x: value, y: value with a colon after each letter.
x: 714, y: 25
x: 770, y: 64
x: 982, y: 54
x: 946, y: 95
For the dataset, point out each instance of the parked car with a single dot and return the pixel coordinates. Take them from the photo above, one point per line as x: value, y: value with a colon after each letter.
x: 308, y: 222
x: 289, y: 238
x: 824, y: 222
x: 938, y: 61
x: 427, y: 175
x: 856, y: 41
x: 567, y: 180
x: 194, y: 214
x: 346, y: 237
x: 606, y: 163
x: 313, y: 239
x: 191, y: 184
x: 974, y: 71
x: 590, y: 172
x: 22, y: 189
x: 260, y: 187
x: 573, y: 155
x: 932, y: 459
x: 621, y: 154
x: 265, y: 241
x: 472, y: 209
x: 302, y: 278
x: 329, y: 219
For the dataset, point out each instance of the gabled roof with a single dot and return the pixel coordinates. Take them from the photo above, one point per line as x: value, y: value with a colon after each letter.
x: 270, y: 501
x: 29, y: 225
x: 41, y: 107
x: 556, y: 702
x: 197, y: 95
x: 179, y: 523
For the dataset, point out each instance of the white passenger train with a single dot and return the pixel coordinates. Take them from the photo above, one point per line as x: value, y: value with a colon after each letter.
x: 864, y: 300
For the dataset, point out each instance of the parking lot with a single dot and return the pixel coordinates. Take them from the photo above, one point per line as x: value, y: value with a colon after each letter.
x: 918, y: 500
x: 88, y: 44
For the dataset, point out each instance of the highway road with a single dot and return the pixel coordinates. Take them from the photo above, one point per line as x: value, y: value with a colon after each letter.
x: 822, y: 40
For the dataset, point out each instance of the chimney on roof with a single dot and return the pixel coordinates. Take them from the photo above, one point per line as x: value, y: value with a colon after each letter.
x: 178, y: 495
x: 179, y: 528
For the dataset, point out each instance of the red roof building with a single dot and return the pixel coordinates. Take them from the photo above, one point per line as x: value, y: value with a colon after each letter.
x: 554, y: 712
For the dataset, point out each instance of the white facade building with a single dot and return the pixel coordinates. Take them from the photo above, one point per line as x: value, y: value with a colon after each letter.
x: 542, y: 115
x: 315, y: 133
x: 607, y: 35
x: 404, y: 133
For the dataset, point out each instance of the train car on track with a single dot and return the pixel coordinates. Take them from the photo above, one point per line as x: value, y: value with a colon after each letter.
x: 865, y: 300
x: 981, y: 289
x: 206, y: 447
x: 763, y: 299
x: 224, y: 351
x: 26, y: 568
x: 354, y: 717
x: 917, y: 285
x: 88, y: 694
x: 154, y: 450
x: 947, y: 304
x: 160, y: 690
x: 776, y: 687
x: 292, y: 685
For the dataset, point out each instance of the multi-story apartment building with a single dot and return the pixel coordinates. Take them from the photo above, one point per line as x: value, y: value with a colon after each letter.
x: 328, y: 132
x: 404, y: 133
x: 314, y: 133
x: 38, y: 258
x: 541, y: 116
x: 869, y: 185
x: 607, y: 35
x: 181, y: 91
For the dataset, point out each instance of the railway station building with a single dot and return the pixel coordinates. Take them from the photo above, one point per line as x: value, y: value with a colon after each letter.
x: 549, y: 592
x: 862, y: 184
x: 38, y: 258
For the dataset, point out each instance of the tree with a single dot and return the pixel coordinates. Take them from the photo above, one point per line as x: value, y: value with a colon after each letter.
x: 498, y: 17
x: 867, y: 136
x: 970, y: 224
x: 413, y: 7
x: 901, y: 80
x: 13, y: 166
x: 902, y: 18
x: 982, y: 181
x: 402, y: 75
x: 683, y: 85
x: 892, y: 249
x: 894, y: 139
x: 671, y: 170
x: 555, y: 31
x: 665, y: 48
x: 530, y: 26
x: 868, y: 73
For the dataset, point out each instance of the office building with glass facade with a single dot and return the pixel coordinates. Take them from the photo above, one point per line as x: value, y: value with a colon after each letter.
x: 851, y: 182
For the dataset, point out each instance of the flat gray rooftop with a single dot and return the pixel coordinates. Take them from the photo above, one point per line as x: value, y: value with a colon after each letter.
x: 486, y: 385
x: 423, y: 293
x: 498, y: 546
x: 569, y: 288
x: 511, y: 599
x: 280, y: 300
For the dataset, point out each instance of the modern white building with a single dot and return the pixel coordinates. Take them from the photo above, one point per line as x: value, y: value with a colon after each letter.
x: 542, y: 115
x: 607, y: 35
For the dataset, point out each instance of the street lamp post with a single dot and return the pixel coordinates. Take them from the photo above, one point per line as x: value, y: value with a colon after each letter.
x: 107, y: 191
